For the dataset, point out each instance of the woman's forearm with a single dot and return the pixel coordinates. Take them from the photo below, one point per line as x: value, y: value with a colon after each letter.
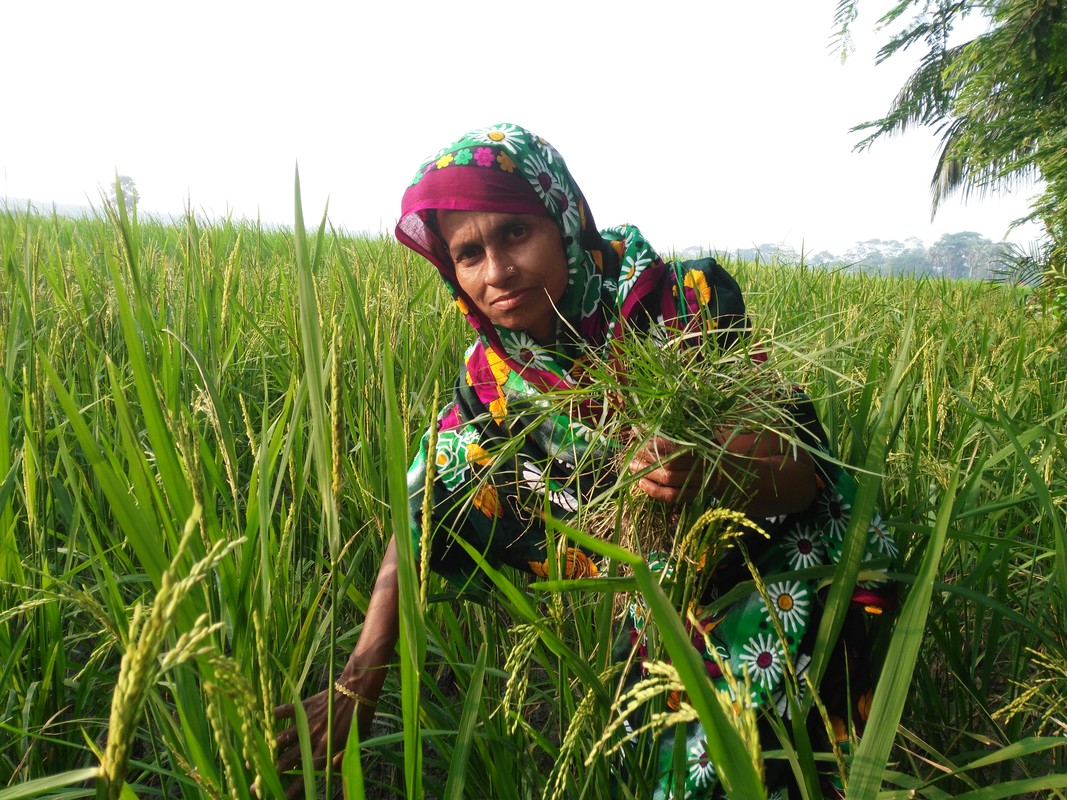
x: 366, y: 668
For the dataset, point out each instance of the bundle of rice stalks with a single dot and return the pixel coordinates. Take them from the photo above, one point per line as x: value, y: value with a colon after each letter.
x: 685, y: 399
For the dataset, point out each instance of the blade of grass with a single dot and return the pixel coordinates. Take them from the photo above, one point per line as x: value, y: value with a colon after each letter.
x: 41, y: 787
x: 869, y: 481
x: 412, y: 626
x: 891, y: 693
x: 457, y: 771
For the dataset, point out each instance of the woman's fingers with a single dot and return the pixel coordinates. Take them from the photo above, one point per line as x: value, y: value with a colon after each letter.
x: 670, y: 479
x: 667, y: 476
x: 323, y: 737
x: 664, y: 494
x: 284, y: 711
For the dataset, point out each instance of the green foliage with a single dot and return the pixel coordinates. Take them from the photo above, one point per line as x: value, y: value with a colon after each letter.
x: 148, y: 370
x: 1039, y: 267
x: 999, y: 101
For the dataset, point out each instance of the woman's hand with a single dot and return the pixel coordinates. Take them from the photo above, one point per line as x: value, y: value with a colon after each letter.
x: 362, y: 676
x: 315, y: 707
x: 669, y: 475
x: 765, y: 472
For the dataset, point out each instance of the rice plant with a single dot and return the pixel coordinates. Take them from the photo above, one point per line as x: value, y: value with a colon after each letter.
x: 229, y: 408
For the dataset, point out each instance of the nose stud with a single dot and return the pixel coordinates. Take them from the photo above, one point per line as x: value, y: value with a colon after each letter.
x: 511, y: 269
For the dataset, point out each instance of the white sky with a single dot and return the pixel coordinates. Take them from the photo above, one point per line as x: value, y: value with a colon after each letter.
x: 703, y: 122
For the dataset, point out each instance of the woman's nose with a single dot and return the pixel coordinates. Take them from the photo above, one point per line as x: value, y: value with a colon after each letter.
x: 497, y: 267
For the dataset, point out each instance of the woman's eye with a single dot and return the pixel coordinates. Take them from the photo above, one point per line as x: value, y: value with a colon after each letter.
x: 517, y: 231
x: 466, y: 257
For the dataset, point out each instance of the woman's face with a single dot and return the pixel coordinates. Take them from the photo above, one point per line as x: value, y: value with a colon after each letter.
x: 512, y: 267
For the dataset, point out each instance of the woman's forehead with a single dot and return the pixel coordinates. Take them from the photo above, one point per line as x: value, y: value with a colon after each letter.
x: 454, y: 224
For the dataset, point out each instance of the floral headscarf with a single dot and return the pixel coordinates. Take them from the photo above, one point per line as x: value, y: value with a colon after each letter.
x: 505, y: 168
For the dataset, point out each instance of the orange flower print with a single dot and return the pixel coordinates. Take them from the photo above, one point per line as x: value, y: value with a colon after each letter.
x: 579, y: 565
x: 840, y: 729
x: 500, y: 369
x: 863, y: 705
x: 462, y: 306
x: 499, y: 408
x: 479, y: 455
x: 695, y: 280
x: 505, y: 162
x: 487, y: 501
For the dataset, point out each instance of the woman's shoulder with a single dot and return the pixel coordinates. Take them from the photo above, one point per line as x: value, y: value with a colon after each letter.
x: 710, y: 284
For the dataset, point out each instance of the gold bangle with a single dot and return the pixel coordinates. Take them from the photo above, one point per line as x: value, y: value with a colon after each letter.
x: 354, y: 696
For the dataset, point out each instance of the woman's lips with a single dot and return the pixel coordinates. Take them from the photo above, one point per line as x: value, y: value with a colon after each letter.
x: 511, y: 300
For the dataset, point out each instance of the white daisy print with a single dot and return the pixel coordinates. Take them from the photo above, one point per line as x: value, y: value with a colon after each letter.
x: 790, y: 600
x: 752, y: 700
x: 536, y: 480
x: 568, y: 209
x: 507, y: 136
x: 545, y: 182
x: 804, y: 549
x: 762, y: 660
x: 524, y: 348
x: 701, y: 770
x: 632, y: 267
x: 547, y: 150
x: 639, y: 613
x: 881, y: 539
x: 837, y: 513
x: 781, y: 701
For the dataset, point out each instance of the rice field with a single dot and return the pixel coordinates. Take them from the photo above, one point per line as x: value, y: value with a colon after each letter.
x: 204, y: 430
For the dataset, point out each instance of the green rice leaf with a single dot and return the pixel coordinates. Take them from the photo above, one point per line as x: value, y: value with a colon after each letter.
x: 457, y: 773
x: 42, y: 787
x: 895, y: 681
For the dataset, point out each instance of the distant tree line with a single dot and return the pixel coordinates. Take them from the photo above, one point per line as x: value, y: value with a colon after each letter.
x: 955, y: 255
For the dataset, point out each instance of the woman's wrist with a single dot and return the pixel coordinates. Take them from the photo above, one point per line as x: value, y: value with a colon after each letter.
x: 354, y: 696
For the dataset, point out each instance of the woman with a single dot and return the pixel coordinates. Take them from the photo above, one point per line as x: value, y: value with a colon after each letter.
x: 500, y: 217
